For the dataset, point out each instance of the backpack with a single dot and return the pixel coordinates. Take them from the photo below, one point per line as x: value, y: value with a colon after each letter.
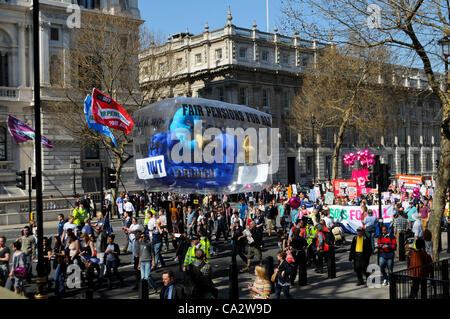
x: 329, y: 238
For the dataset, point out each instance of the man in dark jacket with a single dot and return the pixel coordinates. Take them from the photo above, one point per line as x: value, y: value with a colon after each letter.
x: 183, y: 246
x: 360, y: 253
x: 170, y: 289
x: 239, y: 241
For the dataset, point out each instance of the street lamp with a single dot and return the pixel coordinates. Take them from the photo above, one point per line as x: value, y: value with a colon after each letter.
x: 445, y: 44
x: 406, y: 148
x: 313, y: 123
x: 74, y: 162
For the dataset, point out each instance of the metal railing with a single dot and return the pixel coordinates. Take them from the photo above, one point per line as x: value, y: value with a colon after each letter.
x: 423, y: 282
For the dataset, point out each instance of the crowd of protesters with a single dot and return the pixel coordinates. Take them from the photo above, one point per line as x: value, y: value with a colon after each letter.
x: 195, y: 225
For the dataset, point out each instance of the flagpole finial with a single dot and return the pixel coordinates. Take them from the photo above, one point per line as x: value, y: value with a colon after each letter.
x: 229, y: 17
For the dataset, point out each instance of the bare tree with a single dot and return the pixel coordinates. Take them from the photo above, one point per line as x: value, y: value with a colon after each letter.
x: 410, y: 27
x: 103, y: 54
x: 345, y: 90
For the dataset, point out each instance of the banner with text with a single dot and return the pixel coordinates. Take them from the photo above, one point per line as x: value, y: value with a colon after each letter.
x: 345, y: 188
x: 350, y: 216
x: 361, y: 176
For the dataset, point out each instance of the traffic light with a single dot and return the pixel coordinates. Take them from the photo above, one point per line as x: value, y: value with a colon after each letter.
x: 33, y: 182
x: 20, y: 180
x: 374, y: 172
x: 110, y: 179
x: 384, y: 178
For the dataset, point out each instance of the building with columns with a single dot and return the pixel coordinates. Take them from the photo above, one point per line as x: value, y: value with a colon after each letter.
x: 68, y: 167
x: 264, y: 71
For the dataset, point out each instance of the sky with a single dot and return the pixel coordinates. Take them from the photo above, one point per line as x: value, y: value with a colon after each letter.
x: 174, y: 16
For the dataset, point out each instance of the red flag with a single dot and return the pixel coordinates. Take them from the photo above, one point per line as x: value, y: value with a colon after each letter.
x: 108, y: 112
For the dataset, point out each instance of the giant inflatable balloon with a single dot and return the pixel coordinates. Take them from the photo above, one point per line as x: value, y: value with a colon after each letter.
x: 194, y: 145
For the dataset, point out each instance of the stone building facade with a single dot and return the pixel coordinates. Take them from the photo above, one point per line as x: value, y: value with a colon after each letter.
x: 264, y: 71
x: 68, y: 159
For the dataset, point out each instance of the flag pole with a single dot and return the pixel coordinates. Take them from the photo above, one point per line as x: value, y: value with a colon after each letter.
x: 41, y: 281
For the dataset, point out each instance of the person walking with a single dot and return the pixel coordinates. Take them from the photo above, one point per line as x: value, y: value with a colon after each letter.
x: 261, y: 286
x: 190, y: 254
x: 221, y: 225
x: 271, y: 216
x: 401, y: 226
x: 297, y: 245
x: 18, y: 271
x: 59, y: 265
x: 180, y: 253
x: 157, y: 239
x: 254, y: 239
x: 199, y: 278
x: 112, y: 261
x: 282, y: 276
x: 360, y: 253
x: 61, y: 222
x: 238, y: 241
x: 191, y: 221
x: 5, y: 254
x: 417, y: 260
x: 145, y: 261
x: 370, y: 223
x: 387, y: 245
x: 322, y: 248
x: 28, y: 247
x: 170, y: 289
x: 417, y: 226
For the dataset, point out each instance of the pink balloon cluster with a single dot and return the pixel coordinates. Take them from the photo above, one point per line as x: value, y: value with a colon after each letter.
x: 364, y: 158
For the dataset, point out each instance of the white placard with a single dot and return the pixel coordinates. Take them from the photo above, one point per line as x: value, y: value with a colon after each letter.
x: 151, y: 167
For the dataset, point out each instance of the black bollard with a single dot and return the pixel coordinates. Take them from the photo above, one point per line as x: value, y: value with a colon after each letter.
x: 448, y: 237
x: 234, y: 283
x: 331, y: 262
x: 269, y: 271
x: 143, y: 290
x: 303, y: 274
x: 401, y: 247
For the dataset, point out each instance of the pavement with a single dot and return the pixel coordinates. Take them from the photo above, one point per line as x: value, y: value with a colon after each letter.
x: 319, y: 286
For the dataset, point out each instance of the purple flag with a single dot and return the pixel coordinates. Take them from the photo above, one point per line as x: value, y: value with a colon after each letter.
x: 21, y: 132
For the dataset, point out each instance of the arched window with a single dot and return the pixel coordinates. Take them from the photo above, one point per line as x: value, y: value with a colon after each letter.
x: 2, y: 143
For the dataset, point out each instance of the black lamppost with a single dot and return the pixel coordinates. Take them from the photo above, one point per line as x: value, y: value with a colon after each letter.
x: 313, y: 123
x: 445, y: 44
x: 406, y: 148
x: 74, y: 162
x: 41, y: 280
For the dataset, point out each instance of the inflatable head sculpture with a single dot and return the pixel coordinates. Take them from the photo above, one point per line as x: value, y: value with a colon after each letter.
x: 193, y: 145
